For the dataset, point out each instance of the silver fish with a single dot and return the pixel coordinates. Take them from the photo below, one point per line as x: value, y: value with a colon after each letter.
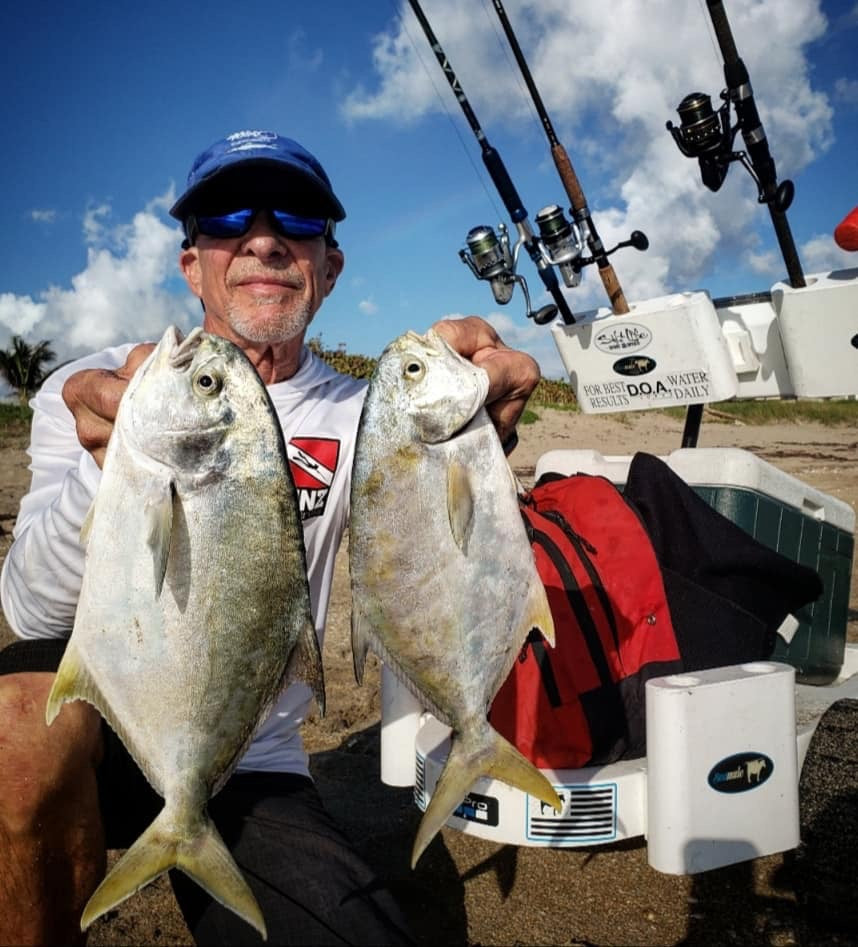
x: 444, y: 585
x: 194, y: 609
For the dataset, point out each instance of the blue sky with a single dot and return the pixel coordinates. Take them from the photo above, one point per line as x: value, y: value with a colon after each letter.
x: 106, y: 104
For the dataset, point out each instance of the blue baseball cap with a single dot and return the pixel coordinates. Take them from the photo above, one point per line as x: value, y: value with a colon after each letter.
x: 258, y: 168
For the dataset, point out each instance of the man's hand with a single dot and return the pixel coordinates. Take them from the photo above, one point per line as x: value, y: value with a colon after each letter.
x: 512, y: 374
x: 93, y: 397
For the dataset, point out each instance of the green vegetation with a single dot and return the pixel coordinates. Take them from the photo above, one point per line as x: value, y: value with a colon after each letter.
x: 558, y: 395
x: 24, y: 366
x: 14, y: 424
x: 554, y: 394
x: 831, y: 411
x: 359, y: 366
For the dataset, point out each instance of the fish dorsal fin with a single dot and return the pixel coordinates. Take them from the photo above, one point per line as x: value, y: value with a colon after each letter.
x: 86, y: 526
x: 460, y: 504
x: 158, y: 507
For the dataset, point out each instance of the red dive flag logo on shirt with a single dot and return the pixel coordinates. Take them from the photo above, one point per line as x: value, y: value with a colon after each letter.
x: 313, y: 462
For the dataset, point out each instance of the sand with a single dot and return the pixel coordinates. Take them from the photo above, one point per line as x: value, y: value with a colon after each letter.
x: 469, y: 891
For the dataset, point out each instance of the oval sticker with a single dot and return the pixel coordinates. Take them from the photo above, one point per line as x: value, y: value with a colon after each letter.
x: 626, y: 337
x: 741, y: 772
x: 634, y: 365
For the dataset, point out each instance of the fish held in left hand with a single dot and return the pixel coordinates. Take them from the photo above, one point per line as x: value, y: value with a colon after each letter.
x: 194, y: 610
x: 444, y: 585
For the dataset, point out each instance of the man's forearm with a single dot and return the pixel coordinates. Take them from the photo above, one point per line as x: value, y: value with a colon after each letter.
x: 42, y: 573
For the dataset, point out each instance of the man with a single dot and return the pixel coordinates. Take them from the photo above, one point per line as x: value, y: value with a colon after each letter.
x: 259, y: 216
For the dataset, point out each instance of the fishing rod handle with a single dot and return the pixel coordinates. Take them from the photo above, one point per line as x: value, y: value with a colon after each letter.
x: 614, y: 291
x: 619, y: 305
x: 569, y: 178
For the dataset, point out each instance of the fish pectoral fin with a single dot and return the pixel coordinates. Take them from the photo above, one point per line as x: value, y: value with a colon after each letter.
x: 202, y: 856
x: 158, y: 505
x: 72, y: 682
x: 460, y: 504
x: 305, y: 664
x: 360, y: 643
x: 491, y: 756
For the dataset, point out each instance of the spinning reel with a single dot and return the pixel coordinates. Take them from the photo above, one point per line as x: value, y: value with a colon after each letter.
x: 560, y: 243
x: 706, y: 134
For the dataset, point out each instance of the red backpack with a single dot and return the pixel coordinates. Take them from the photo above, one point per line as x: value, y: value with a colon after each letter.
x: 583, y: 702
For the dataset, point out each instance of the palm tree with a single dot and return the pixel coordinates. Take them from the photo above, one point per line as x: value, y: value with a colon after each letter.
x: 23, y: 366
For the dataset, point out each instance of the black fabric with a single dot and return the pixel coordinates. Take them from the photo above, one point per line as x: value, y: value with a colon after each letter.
x: 38, y: 654
x: 728, y: 593
x: 712, y: 631
x: 312, y: 885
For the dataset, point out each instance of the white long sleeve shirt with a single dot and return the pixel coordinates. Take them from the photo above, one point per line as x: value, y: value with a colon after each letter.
x: 319, y: 410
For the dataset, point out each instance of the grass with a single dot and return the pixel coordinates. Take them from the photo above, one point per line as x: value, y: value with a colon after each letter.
x: 14, y: 424
x: 558, y: 395
x: 549, y: 393
x: 830, y: 411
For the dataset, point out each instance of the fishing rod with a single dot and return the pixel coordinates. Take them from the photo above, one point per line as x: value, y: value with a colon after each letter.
x: 487, y: 256
x: 550, y: 219
x: 705, y: 134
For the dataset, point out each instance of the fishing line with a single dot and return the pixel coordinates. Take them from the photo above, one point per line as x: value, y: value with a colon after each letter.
x: 465, y: 149
x: 710, y: 32
x: 489, y: 257
x: 528, y: 101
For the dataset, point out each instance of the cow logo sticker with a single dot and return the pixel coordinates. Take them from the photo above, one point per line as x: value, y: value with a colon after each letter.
x: 634, y: 365
x: 313, y: 463
x: 741, y: 772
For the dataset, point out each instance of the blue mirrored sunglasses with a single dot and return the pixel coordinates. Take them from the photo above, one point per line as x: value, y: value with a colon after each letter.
x: 237, y: 223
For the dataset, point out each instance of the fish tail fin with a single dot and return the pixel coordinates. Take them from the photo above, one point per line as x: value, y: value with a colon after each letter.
x: 207, y: 860
x: 202, y: 856
x: 510, y: 766
x: 494, y: 757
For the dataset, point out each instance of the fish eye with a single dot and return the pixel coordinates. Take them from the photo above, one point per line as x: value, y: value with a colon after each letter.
x: 208, y: 383
x: 413, y: 370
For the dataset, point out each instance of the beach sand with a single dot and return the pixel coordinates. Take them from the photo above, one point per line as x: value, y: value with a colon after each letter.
x: 468, y: 891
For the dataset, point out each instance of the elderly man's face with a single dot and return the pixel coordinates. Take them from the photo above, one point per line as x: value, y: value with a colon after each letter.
x: 261, y: 287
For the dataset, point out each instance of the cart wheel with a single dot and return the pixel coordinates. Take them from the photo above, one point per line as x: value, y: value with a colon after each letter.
x: 827, y: 867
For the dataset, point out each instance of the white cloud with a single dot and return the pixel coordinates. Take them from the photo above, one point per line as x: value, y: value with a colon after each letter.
x: 122, y: 294
x: 821, y: 254
x: 93, y: 228
x: 300, y: 56
x: 368, y: 307
x: 43, y: 215
x: 846, y: 91
x: 609, y: 91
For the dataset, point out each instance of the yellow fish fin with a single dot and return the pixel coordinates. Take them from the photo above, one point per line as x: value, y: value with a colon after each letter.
x: 491, y: 755
x: 72, y: 682
x: 537, y: 612
x: 201, y: 855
